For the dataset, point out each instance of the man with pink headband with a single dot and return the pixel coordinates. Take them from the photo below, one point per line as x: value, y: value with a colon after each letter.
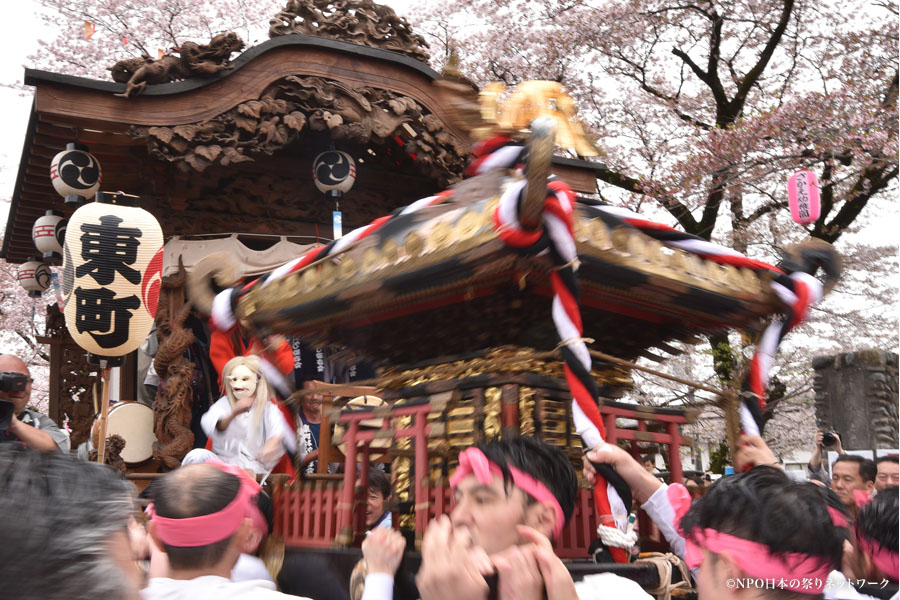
x: 512, y: 496
x: 876, y: 533
x: 202, y: 518
x: 757, y: 527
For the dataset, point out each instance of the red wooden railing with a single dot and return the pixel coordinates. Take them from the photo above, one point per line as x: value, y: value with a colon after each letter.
x: 305, y: 513
x: 327, y: 513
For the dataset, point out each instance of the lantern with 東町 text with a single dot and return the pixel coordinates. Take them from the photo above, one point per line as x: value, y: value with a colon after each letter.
x: 49, y: 233
x: 34, y: 276
x: 803, y: 197
x: 112, y: 270
x: 334, y: 173
x: 75, y: 174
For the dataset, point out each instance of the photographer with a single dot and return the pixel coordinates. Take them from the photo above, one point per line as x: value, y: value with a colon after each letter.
x: 17, y: 423
x: 815, y: 468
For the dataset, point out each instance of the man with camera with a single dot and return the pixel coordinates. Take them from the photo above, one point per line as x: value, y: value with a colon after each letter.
x: 17, y: 423
x: 824, y: 439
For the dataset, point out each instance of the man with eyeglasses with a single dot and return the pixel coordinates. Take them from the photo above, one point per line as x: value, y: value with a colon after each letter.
x: 29, y: 427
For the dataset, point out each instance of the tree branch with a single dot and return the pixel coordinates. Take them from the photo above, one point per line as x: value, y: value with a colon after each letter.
x: 33, y: 346
x: 869, y: 183
x: 737, y: 103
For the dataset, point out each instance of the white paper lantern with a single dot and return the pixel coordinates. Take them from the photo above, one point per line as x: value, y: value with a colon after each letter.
x: 49, y: 233
x: 34, y: 276
x: 334, y: 172
x: 75, y: 174
x: 112, y: 271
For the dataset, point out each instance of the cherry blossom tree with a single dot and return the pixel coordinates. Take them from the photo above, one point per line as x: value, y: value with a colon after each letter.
x: 132, y: 28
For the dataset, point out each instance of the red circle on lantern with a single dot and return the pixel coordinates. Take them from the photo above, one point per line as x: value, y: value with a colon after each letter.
x: 152, y: 283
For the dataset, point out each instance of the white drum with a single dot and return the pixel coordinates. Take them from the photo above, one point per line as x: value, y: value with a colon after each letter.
x: 134, y: 422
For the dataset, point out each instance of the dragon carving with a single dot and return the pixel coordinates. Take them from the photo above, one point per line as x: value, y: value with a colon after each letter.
x: 172, y: 410
x: 358, y: 21
x: 193, y: 60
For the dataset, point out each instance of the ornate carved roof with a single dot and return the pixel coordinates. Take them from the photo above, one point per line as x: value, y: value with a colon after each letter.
x: 358, y: 21
x: 359, y: 116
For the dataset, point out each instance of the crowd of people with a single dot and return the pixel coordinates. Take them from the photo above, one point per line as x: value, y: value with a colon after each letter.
x: 73, y: 529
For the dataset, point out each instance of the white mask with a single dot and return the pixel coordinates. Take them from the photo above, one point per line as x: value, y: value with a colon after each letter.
x: 242, y: 382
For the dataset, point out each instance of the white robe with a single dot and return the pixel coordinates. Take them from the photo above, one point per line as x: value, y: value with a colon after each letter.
x: 237, y: 445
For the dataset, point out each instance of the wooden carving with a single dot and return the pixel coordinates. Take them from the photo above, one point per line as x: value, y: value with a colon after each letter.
x: 358, y: 116
x: 193, y: 60
x: 359, y: 21
x: 114, y: 446
x: 172, y: 410
x: 78, y: 380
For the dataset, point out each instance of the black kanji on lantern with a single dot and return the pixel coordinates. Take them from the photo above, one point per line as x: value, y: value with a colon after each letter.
x: 108, y: 249
x: 98, y: 310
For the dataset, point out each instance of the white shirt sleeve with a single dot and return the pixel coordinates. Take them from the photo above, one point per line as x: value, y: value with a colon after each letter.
x: 220, y: 408
x: 660, y: 510
x: 379, y: 586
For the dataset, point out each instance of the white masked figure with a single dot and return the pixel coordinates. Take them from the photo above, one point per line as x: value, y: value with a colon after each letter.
x: 245, y: 427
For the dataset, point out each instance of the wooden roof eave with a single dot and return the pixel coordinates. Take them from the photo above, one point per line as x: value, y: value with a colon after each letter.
x: 20, y: 180
x: 196, y: 100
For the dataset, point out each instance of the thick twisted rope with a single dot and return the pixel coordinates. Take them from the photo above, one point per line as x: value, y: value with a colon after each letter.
x: 556, y: 238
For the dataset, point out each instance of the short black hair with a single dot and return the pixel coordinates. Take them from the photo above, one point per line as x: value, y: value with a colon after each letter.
x: 548, y: 464
x: 380, y: 482
x: 796, y: 517
x: 879, y: 519
x: 648, y: 458
x: 867, y: 468
x: 181, y: 496
x: 887, y: 458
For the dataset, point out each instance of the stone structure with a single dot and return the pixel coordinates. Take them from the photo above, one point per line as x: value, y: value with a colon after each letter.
x: 856, y: 394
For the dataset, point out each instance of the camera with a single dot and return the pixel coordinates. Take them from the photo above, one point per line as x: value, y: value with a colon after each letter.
x: 829, y: 438
x: 10, y: 382
x: 13, y: 382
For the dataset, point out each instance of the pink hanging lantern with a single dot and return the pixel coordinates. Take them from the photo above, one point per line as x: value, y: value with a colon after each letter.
x: 803, y: 197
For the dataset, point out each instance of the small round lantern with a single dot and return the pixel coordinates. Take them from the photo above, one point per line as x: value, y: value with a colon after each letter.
x: 112, y: 271
x: 49, y: 233
x: 75, y: 174
x: 34, y: 276
x: 334, y: 173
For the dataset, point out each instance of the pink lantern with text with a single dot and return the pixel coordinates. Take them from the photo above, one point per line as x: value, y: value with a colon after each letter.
x: 803, y: 197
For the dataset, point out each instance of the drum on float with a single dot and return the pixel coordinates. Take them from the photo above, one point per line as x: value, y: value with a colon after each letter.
x: 134, y: 422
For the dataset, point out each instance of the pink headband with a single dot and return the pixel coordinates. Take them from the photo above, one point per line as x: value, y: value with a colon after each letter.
x: 209, y: 529
x: 807, y: 573
x: 472, y: 461
x: 884, y: 558
x: 838, y: 518
x: 861, y: 498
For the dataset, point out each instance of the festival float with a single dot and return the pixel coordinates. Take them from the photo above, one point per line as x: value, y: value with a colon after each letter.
x: 495, y: 296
